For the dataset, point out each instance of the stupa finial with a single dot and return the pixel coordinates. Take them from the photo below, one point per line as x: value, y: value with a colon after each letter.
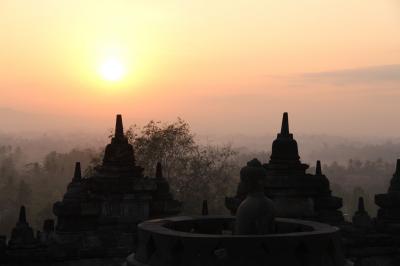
x: 78, y: 172
x: 159, y: 173
x: 204, y: 210
x: 318, y: 169
x: 22, y: 215
x: 397, y: 167
x: 285, y: 125
x: 119, y: 128
x: 361, y: 207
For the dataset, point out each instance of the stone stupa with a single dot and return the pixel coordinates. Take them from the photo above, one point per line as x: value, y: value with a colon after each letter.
x: 99, y: 214
x: 296, y: 194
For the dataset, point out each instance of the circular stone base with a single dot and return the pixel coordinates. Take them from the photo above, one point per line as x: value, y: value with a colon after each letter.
x: 208, y: 241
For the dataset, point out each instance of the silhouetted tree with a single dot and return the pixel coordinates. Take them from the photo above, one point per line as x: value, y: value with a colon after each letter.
x: 195, y: 172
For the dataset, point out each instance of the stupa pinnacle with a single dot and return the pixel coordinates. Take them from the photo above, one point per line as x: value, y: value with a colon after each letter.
x: 284, y: 147
x: 318, y: 169
x: 285, y: 125
x: 77, y: 172
x: 119, y: 128
x: 22, y: 215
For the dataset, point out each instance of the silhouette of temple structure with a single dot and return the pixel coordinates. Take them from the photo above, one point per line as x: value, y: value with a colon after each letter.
x: 388, y: 218
x: 296, y: 194
x: 22, y: 235
x: 361, y: 218
x: 107, y: 205
x: 23, y: 244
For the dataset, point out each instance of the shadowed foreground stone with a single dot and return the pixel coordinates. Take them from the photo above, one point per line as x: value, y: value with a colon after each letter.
x: 208, y: 240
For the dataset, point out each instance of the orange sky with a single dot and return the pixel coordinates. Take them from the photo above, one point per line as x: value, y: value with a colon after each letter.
x: 224, y: 66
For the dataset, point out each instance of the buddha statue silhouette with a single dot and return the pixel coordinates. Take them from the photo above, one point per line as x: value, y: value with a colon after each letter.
x: 256, y: 214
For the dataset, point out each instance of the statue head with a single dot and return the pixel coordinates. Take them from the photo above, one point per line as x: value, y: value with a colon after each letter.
x: 252, y: 176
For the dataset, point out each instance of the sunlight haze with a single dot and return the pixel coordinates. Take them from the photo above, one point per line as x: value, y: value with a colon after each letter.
x: 226, y: 67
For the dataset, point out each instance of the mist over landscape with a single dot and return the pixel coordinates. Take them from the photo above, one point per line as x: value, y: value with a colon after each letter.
x: 36, y: 165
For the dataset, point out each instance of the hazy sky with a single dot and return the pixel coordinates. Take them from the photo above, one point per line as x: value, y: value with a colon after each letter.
x: 224, y: 66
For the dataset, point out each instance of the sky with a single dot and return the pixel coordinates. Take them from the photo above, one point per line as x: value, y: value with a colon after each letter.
x: 226, y: 67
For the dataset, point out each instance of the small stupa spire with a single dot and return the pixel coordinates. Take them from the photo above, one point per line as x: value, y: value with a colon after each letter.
x: 361, y: 207
x: 22, y: 215
x: 397, y: 167
x: 159, y: 173
x: 119, y: 128
x: 285, y: 125
x: 78, y: 172
x: 318, y: 169
x: 204, y: 209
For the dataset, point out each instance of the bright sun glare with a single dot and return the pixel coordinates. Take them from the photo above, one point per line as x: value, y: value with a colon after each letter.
x: 112, y: 69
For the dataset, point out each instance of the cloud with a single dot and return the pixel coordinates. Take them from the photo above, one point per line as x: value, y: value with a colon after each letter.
x: 367, y: 75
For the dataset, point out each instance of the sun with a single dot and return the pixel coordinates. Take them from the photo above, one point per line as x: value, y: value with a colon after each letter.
x: 112, y: 69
